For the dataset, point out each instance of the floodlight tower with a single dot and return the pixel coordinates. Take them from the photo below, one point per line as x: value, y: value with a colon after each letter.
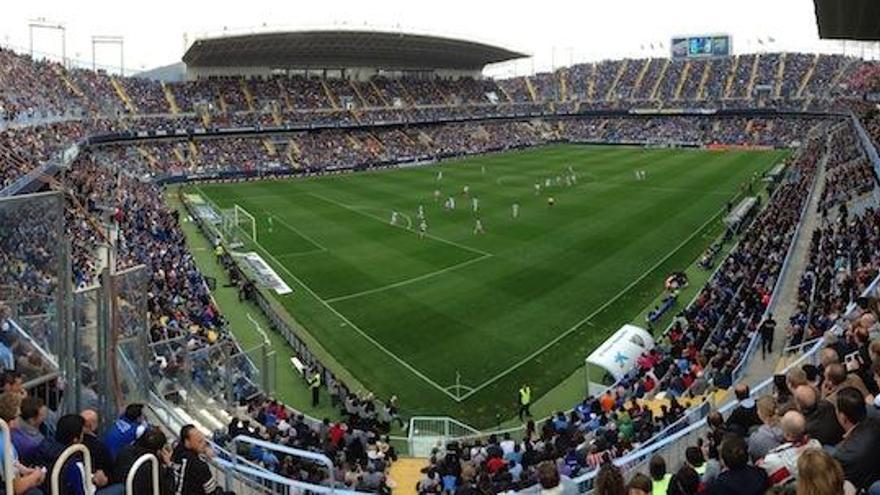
x: 42, y: 23
x: 110, y: 40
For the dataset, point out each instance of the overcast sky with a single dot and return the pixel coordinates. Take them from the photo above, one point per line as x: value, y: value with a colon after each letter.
x: 585, y: 30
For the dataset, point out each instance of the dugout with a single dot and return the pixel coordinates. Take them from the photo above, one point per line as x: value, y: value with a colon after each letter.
x: 615, y: 357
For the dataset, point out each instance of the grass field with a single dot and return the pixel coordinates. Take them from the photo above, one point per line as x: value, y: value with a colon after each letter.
x: 455, y: 322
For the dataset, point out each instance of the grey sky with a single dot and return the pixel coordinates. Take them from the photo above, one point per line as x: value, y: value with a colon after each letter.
x: 579, y: 30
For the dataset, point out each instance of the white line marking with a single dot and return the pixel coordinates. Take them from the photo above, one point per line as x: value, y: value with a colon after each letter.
x: 294, y: 229
x: 409, y: 281
x: 259, y: 328
x: 301, y: 253
x: 589, y: 317
x: 429, y: 236
x: 342, y: 317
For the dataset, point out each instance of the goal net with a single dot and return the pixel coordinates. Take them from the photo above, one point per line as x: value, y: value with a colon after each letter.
x: 238, y: 224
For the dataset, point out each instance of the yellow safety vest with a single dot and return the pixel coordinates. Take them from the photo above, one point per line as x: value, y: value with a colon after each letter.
x: 315, y: 382
x: 525, y: 395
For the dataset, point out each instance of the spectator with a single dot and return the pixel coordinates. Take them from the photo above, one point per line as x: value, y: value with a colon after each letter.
x: 28, y: 433
x: 191, y: 463
x: 126, y: 429
x: 745, y: 415
x: 685, y: 482
x: 69, y: 432
x: 609, y: 481
x: 738, y: 477
x: 769, y: 435
x: 820, y: 474
x: 781, y: 462
x: 659, y: 477
x: 640, y: 484
x: 861, y: 440
x: 102, y: 463
x: 153, y: 441
x: 820, y: 414
x: 27, y: 480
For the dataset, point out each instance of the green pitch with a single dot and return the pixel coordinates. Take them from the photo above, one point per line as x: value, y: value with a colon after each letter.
x: 454, y: 322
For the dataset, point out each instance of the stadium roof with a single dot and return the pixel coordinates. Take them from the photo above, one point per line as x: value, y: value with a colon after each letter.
x: 344, y: 48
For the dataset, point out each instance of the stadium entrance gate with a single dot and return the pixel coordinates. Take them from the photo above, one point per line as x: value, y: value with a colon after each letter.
x: 426, y: 433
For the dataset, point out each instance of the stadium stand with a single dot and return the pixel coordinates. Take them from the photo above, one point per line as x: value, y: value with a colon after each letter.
x: 46, y: 108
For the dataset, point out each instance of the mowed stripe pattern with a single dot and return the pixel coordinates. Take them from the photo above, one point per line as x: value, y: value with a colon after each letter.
x: 456, y: 303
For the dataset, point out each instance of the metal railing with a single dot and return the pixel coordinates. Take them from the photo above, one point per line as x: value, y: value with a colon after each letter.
x: 54, y: 481
x: 8, y: 473
x: 154, y: 474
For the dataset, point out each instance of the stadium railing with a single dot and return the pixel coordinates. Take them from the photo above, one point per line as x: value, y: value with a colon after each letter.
x: 55, y: 476
x: 867, y: 142
x: 138, y: 464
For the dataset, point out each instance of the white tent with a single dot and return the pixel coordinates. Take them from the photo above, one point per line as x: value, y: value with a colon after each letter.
x: 616, y: 356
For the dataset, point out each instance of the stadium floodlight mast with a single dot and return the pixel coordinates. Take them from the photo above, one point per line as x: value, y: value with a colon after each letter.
x: 110, y: 40
x: 42, y: 23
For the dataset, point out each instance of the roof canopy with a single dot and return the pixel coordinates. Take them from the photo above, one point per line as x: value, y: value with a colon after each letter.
x: 343, y: 49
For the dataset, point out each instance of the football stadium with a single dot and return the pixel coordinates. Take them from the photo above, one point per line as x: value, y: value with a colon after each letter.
x: 352, y: 260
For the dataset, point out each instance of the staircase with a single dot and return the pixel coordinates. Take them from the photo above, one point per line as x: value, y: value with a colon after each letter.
x: 531, y: 89
x: 270, y: 147
x: 610, y: 94
x: 640, y: 77
x: 406, y: 473
x: 282, y: 90
x: 753, y: 76
x: 193, y: 154
x: 169, y: 97
x: 505, y: 93
x: 563, y: 86
x: 293, y: 153
x: 357, y: 93
x: 780, y: 74
x: 276, y: 113
x: 730, y: 76
x: 248, y: 96
x: 807, y: 76
x: 123, y: 96
x: 659, y: 80
x: 73, y: 88
x: 379, y: 94
x: 591, y: 85
x: 843, y: 70
x: 701, y: 91
x: 329, y: 95
x: 682, y: 79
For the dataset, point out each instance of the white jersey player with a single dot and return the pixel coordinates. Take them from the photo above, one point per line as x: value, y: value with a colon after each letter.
x: 270, y: 224
x: 439, y: 175
x: 421, y: 212
x: 546, y: 183
x: 423, y: 228
x: 436, y: 195
x: 394, y: 216
x: 466, y: 190
x: 537, y: 188
x: 514, y: 210
x: 475, y: 204
x: 478, y: 227
x: 450, y: 203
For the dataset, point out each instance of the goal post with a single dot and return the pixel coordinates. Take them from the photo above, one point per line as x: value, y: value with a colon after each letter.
x: 237, y: 223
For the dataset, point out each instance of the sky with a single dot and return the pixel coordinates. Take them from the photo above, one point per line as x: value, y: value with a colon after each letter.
x: 554, y: 32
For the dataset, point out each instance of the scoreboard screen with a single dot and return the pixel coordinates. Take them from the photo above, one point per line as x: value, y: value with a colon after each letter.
x: 701, y: 46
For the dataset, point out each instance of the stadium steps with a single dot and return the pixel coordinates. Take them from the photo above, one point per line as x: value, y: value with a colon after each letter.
x: 682, y: 79
x: 563, y: 86
x: 357, y: 92
x: 123, y: 96
x: 73, y: 88
x: 145, y: 153
x: 193, y: 154
x: 276, y: 113
x: 807, y: 76
x: 780, y: 75
x: 730, y: 76
x: 620, y: 71
x: 666, y: 63
x: 707, y: 70
x: 531, y: 89
x: 293, y: 154
x: 271, y: 150
x: 785, y: 304
x: 591, y: 84
x: 641, y: 77
x: 406, y: 473
x: 221, y: 102
x: 329, y: 94
x: 843, y: 70
x: 282, y: 90
x: 439, y: 91
x: 754, y: 75
x: 505, y: 93
x: 381, y: 96
x: 405, y: 93
x: 169, y: 97
x: 248, y: 96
